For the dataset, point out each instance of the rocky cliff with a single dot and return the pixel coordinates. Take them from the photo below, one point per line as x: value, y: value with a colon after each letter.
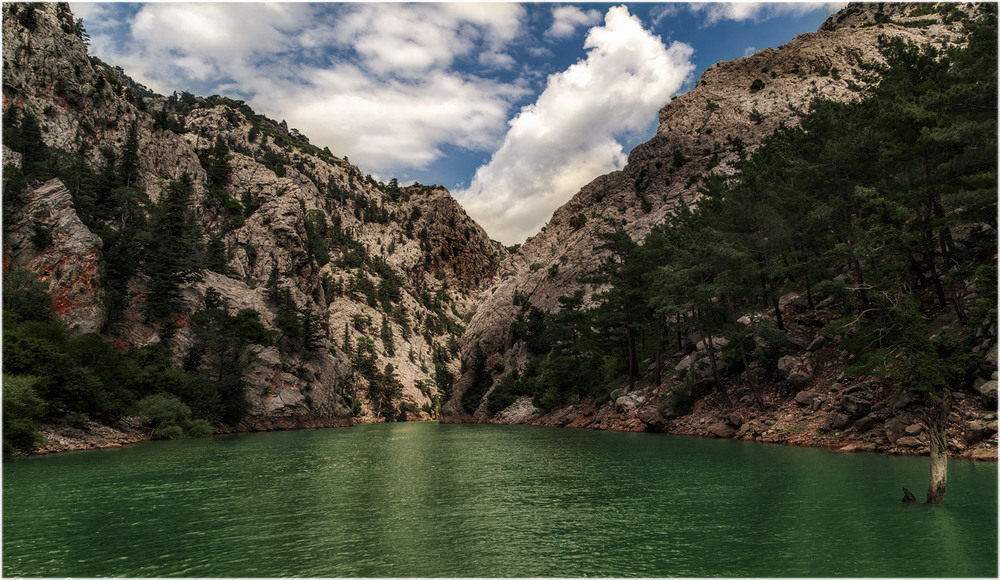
x: 394, y: 269
x: 732, y: 108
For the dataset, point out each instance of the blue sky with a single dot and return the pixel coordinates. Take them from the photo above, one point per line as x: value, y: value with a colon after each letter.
x: 513, y: 107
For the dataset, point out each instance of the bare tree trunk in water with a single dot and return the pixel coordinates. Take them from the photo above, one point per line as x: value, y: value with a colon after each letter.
x: 937, y: 431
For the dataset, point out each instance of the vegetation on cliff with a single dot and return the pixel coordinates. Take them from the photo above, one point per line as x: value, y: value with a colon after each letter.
x: 885, y: 208
x: 250, y: 276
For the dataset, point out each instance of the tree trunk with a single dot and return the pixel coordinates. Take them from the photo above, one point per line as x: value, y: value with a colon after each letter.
x: 633, y: 357
x: 715, y: 371
x: 937, y: 431
x: 749, y: 373
x: 809, y: 293
x: 658, y: 373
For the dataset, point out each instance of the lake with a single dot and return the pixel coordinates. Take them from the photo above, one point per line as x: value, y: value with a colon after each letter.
x: 425, y: 499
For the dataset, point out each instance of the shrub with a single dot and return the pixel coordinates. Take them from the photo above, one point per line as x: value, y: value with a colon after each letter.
x: 756, y: 85
x: 171, y: 418
x: 21, y: 407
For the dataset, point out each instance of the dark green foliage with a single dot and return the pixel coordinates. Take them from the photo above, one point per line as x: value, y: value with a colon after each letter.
x: 215, y: 255
x: 25, y: 298
x: 128, y: 168
x: 173, y: 255
x: 221, y: 354
x: 386, y: 335
x: 23, y: 133
x: 443, y: 379
x: 756, y: 85
x: 215, y: 162
x: 231, y: 211
x: 22, y: 407
x: 25, y: 15
x: 481, y: 382
x: 317, y: 232
x: 171, y: 418
x: 384, y: 392
x: 860, y: 204
x: 299, y: 329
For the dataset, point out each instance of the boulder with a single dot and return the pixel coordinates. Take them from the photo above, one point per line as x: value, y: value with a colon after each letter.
x: 909, y: 442
x: 866, y: 423
x: 838, y: 421
x: 901, y: 400
x: 988, y: 391
x: 652, y: 418
x: 915, y: 429
x: 817, y: 343
x: 628, y: 403
x: 734, y: 419
x: 797, y: 371
x: 721, y: 430
x: 806, y: 398
x: 974, y: 432
x: 856, y: 405
x: 894, y: 429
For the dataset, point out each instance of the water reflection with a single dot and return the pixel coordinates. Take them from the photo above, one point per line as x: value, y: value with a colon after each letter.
x: 479, y: 500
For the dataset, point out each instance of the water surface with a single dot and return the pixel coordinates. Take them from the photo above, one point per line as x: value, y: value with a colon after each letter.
x: 423, y: 499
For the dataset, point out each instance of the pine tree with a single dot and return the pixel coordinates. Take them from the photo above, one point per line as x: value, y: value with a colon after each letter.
x: 173, y: 254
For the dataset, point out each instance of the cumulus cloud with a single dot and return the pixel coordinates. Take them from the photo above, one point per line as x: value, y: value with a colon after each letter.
x: 386, y: 125
x: 376, y: 82
x: 572, y: 133
x: 409, y: 40
x: 757, y: 11
x: 566, y: 19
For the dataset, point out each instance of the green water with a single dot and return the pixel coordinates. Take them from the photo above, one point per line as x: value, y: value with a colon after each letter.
x: 423, y: 499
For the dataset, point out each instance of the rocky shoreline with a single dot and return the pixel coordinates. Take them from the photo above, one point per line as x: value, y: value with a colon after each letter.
x: 972, y: 432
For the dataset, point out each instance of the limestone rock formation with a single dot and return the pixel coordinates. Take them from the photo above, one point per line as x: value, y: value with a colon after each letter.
x: 51, y: 241
x: 732, y: 108
x: 395, y: 268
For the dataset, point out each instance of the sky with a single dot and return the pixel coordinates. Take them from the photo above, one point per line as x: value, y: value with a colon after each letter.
x: 513, y: 107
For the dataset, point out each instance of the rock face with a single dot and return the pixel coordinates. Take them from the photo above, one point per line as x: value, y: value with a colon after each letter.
x: 396, y: 267
x: 50, y: 240
x: 732, y: 108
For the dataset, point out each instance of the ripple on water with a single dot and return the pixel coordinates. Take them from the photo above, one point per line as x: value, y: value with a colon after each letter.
x: 474, y: 500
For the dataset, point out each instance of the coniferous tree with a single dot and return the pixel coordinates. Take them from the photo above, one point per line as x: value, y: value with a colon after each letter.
x: 173, y: 255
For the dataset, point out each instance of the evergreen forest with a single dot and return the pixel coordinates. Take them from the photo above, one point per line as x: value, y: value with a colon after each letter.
x: 879, y: 211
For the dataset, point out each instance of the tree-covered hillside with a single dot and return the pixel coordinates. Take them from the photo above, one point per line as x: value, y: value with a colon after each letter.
x: 880, y: 214
x: 182, y: 259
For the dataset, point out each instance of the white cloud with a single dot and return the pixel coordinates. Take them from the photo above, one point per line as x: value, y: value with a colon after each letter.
x: 661, y: 11
x: 388, y: 125
x: 566, y: 19
x: 757, y: 11
x: 408, y: 40
x: 571, y: 134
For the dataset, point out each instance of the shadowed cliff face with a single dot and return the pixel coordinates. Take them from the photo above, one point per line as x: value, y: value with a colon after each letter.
x: 733, y: 107
x: 393, y: 267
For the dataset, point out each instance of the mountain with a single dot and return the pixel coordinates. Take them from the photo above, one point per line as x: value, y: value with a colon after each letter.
x: 362, y: 288
x: 181, y: 265
x: 708, y: 131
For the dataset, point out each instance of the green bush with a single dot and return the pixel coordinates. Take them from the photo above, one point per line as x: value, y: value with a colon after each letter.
x: 21, y: 408
x: 756, y: 85
x: 171, y: 418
